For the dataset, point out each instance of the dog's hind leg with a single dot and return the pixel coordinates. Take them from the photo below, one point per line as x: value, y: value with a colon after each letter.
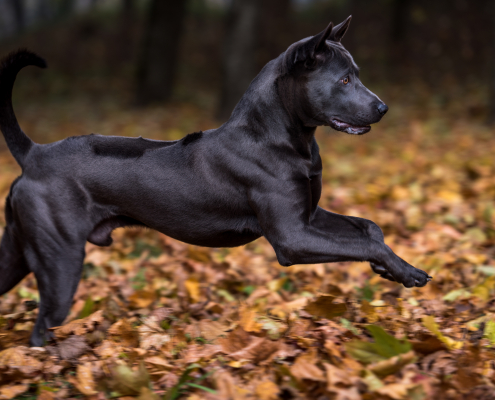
x: 57, y: 270
x: 12, y: 265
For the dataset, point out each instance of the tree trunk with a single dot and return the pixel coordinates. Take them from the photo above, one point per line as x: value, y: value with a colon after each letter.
x: 160, y: 49
x: 239, y: 60
x: 18, y: 9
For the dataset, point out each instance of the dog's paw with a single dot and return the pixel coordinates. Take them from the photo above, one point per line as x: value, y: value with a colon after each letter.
x: 409, y: 276
x: 414, y: 277
x: 378, y: 269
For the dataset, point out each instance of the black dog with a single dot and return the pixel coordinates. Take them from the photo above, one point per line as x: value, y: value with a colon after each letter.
x: 259, y: 174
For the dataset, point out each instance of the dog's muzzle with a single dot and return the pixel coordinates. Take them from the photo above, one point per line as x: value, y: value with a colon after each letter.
x: 342, y: 126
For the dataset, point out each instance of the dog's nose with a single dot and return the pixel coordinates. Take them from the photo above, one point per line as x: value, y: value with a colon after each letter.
x: 382, y: 108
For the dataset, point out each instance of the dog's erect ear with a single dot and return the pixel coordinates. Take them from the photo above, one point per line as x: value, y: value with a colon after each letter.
x: 339, y: 31
x: 319, y: 40
x: 307, y: 50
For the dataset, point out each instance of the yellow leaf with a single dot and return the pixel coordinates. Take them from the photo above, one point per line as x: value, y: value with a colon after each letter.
x: 369, y: 311
x: 483, y: 290
x: 193, y: 289
x: 248, y: 319
x: 85, y: 381
x: 267, y: 390
x: 276, y: 284
x: 429, y: 323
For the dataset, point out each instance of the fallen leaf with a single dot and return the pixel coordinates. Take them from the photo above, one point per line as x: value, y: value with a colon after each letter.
x: 429, y: 323
x: 11, y: 391
x: 267, y: 390
x: 129, y: 382
x: 123, y: 333
x: 248, y: 319
x: 392, y: 365
x: 193, y: 289
x: 305, y: 368
x: 324, y: 307
x: 384, y: 347
x: 72, y: 347
x: 141, y: 299
x: 85, y: 381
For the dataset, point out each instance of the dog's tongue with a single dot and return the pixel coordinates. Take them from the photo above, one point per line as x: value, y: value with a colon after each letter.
x: 348, y: 128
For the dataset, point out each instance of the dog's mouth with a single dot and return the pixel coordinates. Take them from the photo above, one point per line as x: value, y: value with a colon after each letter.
x: 342, y: 126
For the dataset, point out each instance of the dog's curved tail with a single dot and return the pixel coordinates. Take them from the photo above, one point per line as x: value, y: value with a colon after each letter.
x: 18, y: 142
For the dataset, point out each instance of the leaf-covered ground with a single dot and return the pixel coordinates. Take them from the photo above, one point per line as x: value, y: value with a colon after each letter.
x: 156, y: 318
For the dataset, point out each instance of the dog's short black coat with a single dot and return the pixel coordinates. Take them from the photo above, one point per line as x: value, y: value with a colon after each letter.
x: 259, y: 174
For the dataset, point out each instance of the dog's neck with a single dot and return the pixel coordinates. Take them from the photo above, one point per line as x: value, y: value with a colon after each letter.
x: 268, y: 111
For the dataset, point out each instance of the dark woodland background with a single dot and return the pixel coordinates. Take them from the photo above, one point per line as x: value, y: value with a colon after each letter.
x: 429, y: 54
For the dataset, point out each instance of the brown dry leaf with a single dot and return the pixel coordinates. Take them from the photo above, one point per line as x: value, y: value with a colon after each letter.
x: 141, y: 299
x: 85, y: 381
x: 11, y: 391
x: 72, y: 347
x: 16, y: 358
x: 324, y: 307
x: 158, y: 362
x: 13, y: 357
x: 235, y: 340
x: 157, y: 366
x: 396, y: 391
x: 45, y: 395
x: 212, y: 330
x: 123, y: 333
x: 108, y: 349
x: 305, y: 367
x: 258, y: 350
x: 392, y: 365
x: 227, y: 388
x: 152, y: 335
x: 351, y: 393
x: 196, y: 352
x: 336, y: 376
x: 79, y: 326
x: 267, y: 390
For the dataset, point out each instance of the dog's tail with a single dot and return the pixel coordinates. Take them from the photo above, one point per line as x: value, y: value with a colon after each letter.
x: 17, y: 141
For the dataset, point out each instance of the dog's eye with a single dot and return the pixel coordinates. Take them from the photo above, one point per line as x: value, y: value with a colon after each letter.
x: 345, y: 81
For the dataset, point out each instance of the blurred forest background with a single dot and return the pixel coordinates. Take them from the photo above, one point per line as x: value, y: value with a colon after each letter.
x: 205, y: 52
x: 218, y: 324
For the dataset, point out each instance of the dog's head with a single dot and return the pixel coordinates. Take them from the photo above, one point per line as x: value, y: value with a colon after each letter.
x: 320, y: 82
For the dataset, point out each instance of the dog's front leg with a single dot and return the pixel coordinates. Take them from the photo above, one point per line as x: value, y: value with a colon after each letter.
x: 301, y: 237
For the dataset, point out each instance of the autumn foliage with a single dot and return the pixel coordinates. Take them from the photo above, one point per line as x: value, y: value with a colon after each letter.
x: 156, y: 318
